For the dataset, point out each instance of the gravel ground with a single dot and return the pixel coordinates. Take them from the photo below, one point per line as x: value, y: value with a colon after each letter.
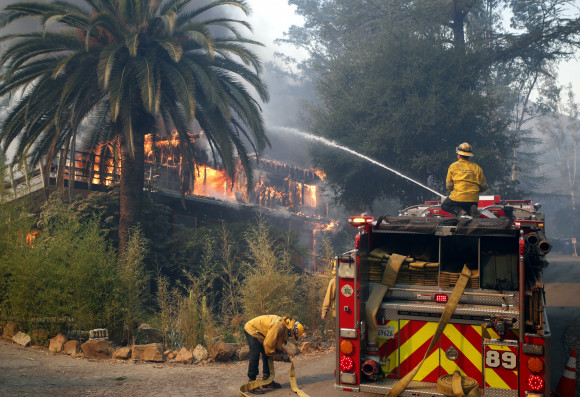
x: 36, y: 372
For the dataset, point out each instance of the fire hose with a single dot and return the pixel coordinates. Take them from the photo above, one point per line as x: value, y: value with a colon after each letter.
x: 457, y: 385
x: 248, y: 387
x: 457, y: 388
x: 379, y: 291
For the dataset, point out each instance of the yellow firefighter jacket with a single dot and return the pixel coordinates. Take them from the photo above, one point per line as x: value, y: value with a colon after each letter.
x: 329, y: 298
x: 465, y: 180
x: 270, y: 330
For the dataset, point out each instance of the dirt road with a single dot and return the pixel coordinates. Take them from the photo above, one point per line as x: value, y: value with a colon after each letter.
x: 36, y: 372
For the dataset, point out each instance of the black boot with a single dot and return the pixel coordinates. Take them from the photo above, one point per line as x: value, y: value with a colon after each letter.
x: 272, y: 385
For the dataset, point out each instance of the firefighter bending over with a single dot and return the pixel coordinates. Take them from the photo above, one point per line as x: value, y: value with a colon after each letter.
x: 465, y: 180
x: 328, y: 303
x: 266, y: 335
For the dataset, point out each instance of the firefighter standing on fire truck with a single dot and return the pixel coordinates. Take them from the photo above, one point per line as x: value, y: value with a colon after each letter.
x: 266, y: 335
x: 465, y: 180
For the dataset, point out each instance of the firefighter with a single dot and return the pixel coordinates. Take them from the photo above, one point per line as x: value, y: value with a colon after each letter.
x: 330, y: 295
x: 266, y: 335
x: 465, y: 180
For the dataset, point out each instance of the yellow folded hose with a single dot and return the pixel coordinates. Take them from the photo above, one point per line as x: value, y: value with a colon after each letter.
x: 248, y: 387
x: 457, y: 385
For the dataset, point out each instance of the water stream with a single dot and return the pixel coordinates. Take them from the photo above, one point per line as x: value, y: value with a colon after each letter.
x: 362, y: 156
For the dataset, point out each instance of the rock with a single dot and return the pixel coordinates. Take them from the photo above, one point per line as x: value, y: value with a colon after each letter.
x: 56, y: 343
x: 21, y: 338
x: 244, y: 353
x: 307, y: 347
x: 122, y: 353
x: 98, y: 348
x: 223, y: 351
x: 146, y: 334
x: 200, y: 353
x: 291, y: 349
x: 148, y: 352
x: 184, y: 356
x: 10, y: 329
x: 72, y: 348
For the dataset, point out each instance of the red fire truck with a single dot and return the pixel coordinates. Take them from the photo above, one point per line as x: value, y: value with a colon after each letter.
x: 497, y: 333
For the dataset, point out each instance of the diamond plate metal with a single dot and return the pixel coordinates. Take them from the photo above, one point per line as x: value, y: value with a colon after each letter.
x: 414, y: 389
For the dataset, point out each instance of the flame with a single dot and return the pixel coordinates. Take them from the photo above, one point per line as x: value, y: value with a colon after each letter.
x: 311, y: 198
x: 213, y: 183
x: 333, y: 224
x: 321, y: 174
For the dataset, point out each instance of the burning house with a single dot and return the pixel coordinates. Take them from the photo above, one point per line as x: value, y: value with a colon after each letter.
x: 290, y: 197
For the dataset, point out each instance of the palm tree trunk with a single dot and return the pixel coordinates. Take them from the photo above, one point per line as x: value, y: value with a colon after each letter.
x: 132, y: 174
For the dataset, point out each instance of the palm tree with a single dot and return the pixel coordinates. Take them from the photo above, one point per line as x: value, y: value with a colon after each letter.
x: 124, y: 68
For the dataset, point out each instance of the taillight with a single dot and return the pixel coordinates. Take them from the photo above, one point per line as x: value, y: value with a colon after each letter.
x: 346, y: 363
x: 535, y: 382
x: 441, y: 298
x: 535, y: 365
x: 346, y: 347
x: 357, y: 241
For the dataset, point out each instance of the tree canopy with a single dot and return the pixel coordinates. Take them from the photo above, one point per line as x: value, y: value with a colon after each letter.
x: 406, y: 82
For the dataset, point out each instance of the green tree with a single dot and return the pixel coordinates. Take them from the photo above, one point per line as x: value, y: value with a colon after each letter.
x: 405, y: 82
x: 113, y: 68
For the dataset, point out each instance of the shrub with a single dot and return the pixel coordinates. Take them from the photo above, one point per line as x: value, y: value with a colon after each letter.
x: 270, y: 286
x: 65, y: 278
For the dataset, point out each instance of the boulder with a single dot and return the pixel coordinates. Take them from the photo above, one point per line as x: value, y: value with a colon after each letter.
x: 72, y: 348
x: 98, y: 348
x: 21, y: 338
x: 290, y: 348
x: 184, y: 356
x: 148, y: 352
x: 10, y: 329
x: 223, y: 351
x: 122, y: 353
x: 200, y: 353
x: 146, y: 334
x: 56, y: 344
x: 244, y: 353
x: 307, y: 347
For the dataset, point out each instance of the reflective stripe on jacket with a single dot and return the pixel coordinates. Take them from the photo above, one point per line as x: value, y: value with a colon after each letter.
x: 465, y: 180
x: 270, y: 330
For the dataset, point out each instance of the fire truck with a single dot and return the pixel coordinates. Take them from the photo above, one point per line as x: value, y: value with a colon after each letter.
x: 389, y: 316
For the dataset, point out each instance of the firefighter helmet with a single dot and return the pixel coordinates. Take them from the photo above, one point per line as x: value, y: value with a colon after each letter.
x: 464, y: 150
x: 295, y: 329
